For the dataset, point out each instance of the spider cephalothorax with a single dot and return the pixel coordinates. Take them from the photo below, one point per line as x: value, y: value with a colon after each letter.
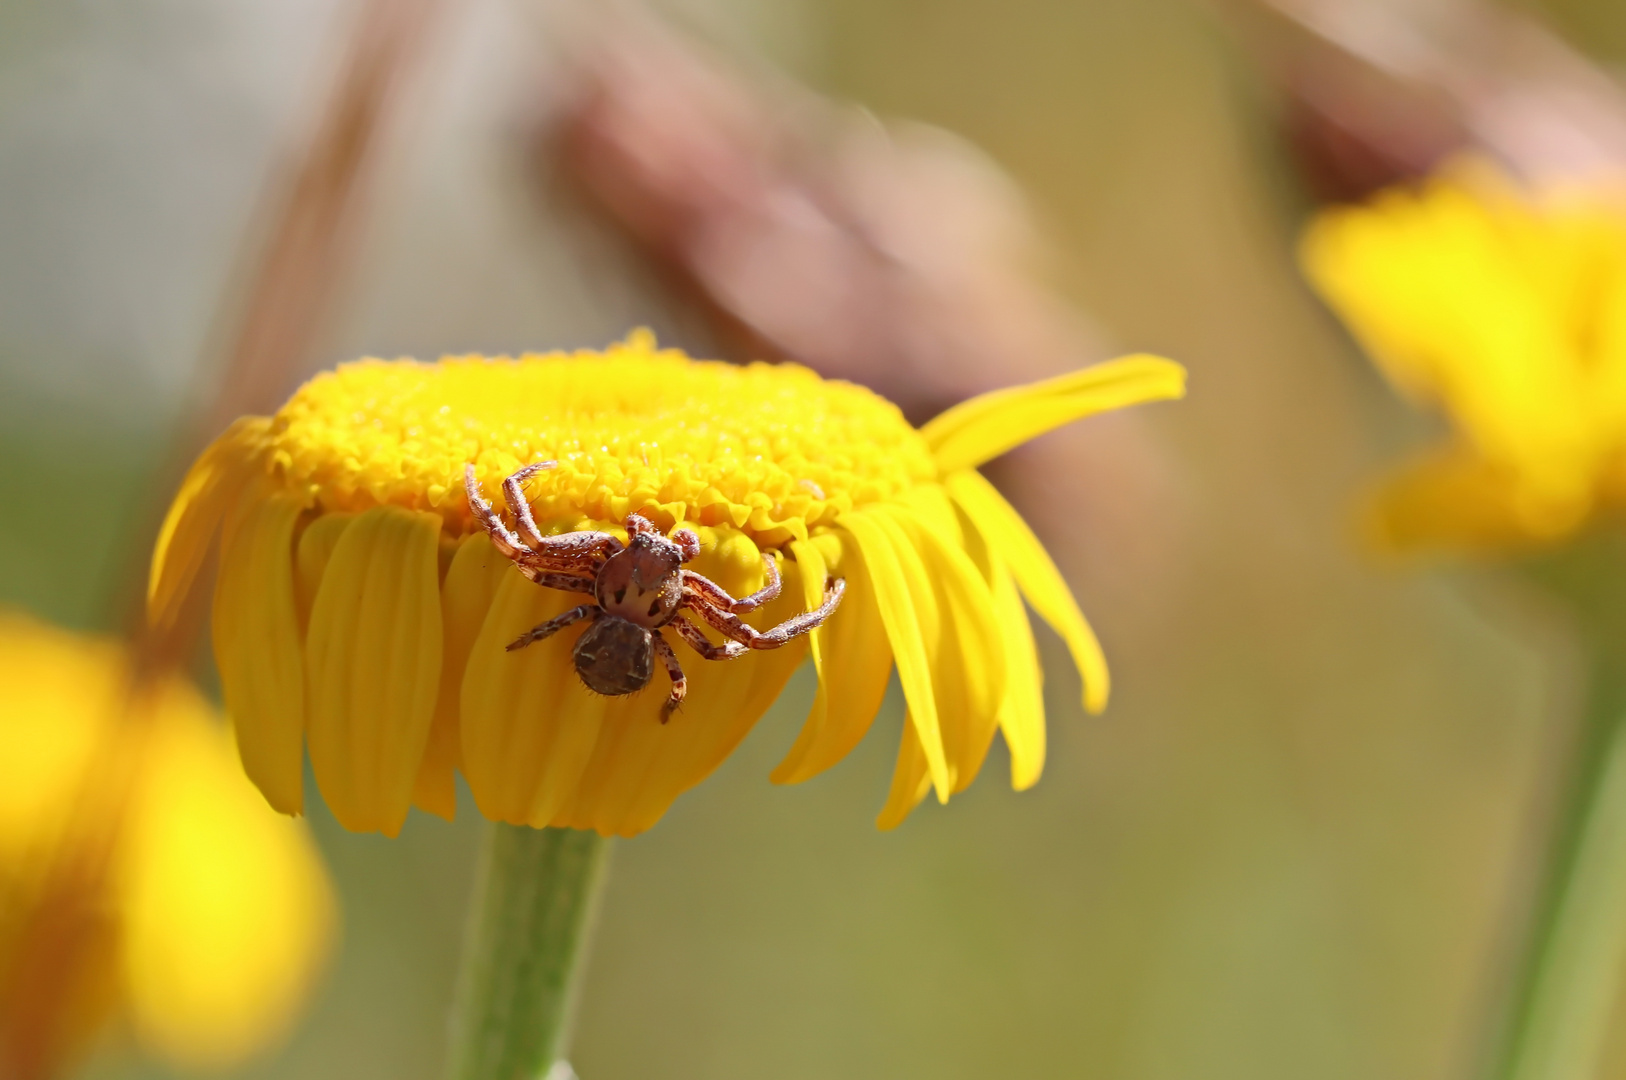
x: 638, y: 587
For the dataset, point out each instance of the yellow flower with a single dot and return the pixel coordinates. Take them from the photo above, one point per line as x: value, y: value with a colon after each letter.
x: 209, y: 916
x: 361, y: 613
x: 1506, y: 308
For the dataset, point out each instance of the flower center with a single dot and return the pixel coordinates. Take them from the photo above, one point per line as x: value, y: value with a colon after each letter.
x: 770, y: 449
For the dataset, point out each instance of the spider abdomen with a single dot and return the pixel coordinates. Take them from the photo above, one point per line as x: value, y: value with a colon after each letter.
x: 615, y: 656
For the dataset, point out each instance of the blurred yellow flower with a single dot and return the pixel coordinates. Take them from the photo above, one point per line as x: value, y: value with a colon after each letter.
x: 1506, y: 308
x: 206, y: 916
x: 361, y: 612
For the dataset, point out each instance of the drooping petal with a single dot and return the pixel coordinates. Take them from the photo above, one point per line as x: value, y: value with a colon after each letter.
x: 811, y: 573
x: 627, y: 742
x: 988, y: 425
x: 311, y: 556
x: 227, y: 914
x: 856, y: 664
x: 374, y: 655
x: 528, y: 724
x: 1021, y: 710
x: 257, y: 644
x: 1010, y: 538
x: 908, y: 611
x: 764, y: 678
x: 465, y: 598
x: 776, y: 667
x: 1021, y: 707
x: 968, y: 673
x: 183, y: 539
x: 910, y: 780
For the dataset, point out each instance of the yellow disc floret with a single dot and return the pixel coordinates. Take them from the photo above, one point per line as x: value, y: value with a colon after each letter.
x: 770, y: 449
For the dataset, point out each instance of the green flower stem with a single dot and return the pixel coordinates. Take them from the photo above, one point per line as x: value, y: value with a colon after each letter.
x: 532, y: 912
x: 1558, y: 1017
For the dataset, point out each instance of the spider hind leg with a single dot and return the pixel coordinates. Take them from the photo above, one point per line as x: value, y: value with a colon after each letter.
x: 674, y: 671
x: 543, y: 631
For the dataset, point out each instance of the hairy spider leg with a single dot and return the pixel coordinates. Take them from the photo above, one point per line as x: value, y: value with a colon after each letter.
x: 674, y: 671
x: 518, y: 505
x: 505, y: 541
x: 551, y: 579
x: 697, y: 640
x: 547, y: 629
x: 717, y: 596
x: 637, y: 523
x: 572, y: 551
x: 751, y: 637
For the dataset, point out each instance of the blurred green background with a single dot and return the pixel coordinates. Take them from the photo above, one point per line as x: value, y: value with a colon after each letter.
x: 1290, y: 849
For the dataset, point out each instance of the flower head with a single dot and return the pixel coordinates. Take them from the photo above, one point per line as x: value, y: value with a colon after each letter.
x: 203, y: 917
x: 362, y: 613
x: 1504, y: 307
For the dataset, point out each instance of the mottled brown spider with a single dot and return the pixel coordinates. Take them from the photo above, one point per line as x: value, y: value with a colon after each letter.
x: 637, y: 587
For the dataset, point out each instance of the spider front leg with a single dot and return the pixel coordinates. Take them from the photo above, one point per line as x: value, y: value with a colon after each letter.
x: 567, y: 552
x: 514, y: 493
x: 674, y: 671
x: 502, y: 538
x: 545, y: 630
x: 717, y: 596
x: 750, y: 637
x: 550, y: 579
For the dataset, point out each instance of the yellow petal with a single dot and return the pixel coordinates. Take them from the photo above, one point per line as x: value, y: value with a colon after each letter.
x: 1010, y: 538
x: 1021, y: 711
x: 856, y: 664
x: 910, y: 781
x: 968, y: 674
x: 59, y: 693
x: 765, y: 674
x: 1457, y: 291
x: 908, y: 611
x: 1021, y: 707
x: 985, y: 427
x: 311, y: 555
x: 183, y: 539
x: 810, y: 572
x: 374, y: 655
x: 465, y: 598
x: 227, y: 914
x: 1454, y: 499
x: 775, y: 668
x: 257, y: 644
x: 528, y: 724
